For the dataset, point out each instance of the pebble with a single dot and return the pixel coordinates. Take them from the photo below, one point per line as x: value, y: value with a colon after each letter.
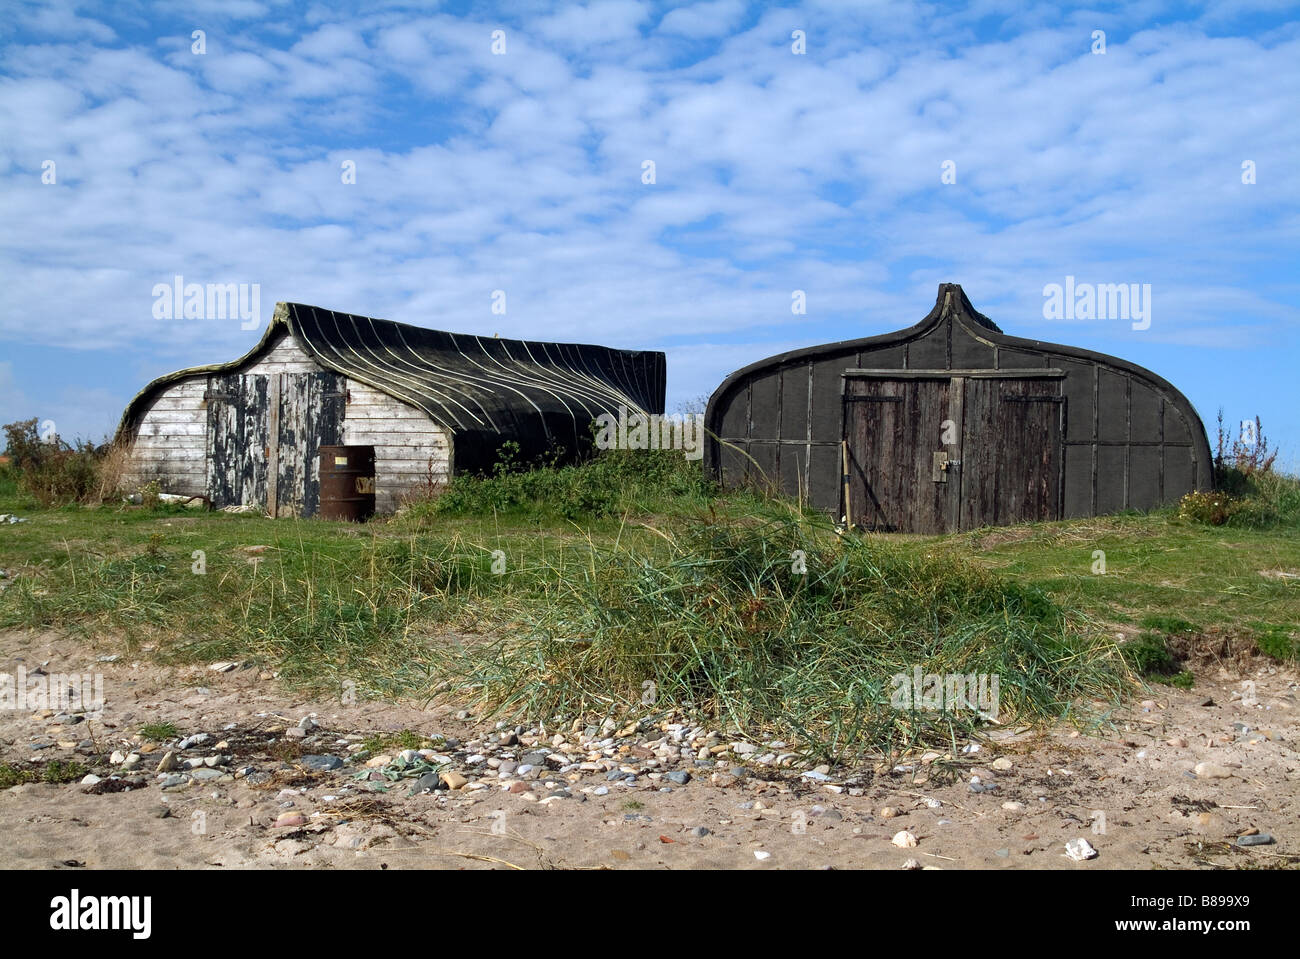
x: 1259, y: 839
x: 1080, y: 850
x: 1211, y: 771
x: 426, y: 783
x: 168, y: 763
x: 600, y: 791
x: 910, y: 864
x: 1001, y: 763
x: 888, y: 812
x: 454, y: 780
x: 1013, y: 806
x: 198, y: 739
x: 762, y: 856
x: 678, y: 777
x: 904, y: 840
x: 699, y: 832
x: 290, y: 819
x: 175, y: 780
x: 206, y: 773
x: 91, y: 780
x: 322, y: 763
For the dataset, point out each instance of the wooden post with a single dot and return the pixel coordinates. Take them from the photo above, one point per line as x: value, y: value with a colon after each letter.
x: 956, y: 413
x: 273, y: 446
x: 848, y: 508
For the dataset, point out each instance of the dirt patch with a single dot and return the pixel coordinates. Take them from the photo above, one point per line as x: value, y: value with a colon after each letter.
x: 1233, y: 653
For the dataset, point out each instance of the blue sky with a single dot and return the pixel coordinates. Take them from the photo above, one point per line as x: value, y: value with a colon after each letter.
x: 774, y: 171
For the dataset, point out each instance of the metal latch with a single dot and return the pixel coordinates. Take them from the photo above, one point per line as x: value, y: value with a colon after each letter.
x: 939, y: 467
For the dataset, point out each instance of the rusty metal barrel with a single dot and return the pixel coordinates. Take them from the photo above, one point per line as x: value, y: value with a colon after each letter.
x: 347, y: 482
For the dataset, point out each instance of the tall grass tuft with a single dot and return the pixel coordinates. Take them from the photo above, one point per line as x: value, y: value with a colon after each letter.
x: 720, y: 622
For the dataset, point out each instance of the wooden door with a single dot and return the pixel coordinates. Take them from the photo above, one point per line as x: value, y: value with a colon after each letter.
x: 311, y: 416
x: 239, y: 439
x: 1011, y: 455
x: 265, y: 432
x: 935, y: 451
x: 894, y: 428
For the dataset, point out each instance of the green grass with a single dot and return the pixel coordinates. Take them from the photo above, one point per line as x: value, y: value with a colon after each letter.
x: 1161, y: 573
x: 396, y: 742
x: 1183, y: 680
x: 667, y: 597
x: 715, y: 615
x: 1149, y: 654
x: 54, y: 771
x: 158, y: 732
x: 1278, y: 641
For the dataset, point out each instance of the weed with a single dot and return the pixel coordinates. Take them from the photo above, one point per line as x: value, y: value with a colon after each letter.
x: 158, y: 732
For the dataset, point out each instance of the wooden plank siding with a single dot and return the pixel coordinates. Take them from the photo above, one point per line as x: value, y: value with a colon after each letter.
x: 405, y: 439
x: 174, y: 441
x: 170, y: 445
x: 1105, y: 435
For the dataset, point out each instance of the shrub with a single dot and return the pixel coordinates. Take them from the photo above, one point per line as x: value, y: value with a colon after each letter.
x: 1148, y: 654
x: 612, y: 482
x: 1236, y: 463
x: 1212, y: 507
x: 57, y: 473
x: 1277, y: 641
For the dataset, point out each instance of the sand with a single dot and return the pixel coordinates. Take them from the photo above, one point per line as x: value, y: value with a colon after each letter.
x: 1126, y: 790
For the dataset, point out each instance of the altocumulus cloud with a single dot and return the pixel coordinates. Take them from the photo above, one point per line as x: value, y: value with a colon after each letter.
x: 774, y: 171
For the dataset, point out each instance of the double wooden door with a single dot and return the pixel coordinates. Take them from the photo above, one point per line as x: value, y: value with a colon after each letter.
x: 264, y: 436
x: 935, y: 451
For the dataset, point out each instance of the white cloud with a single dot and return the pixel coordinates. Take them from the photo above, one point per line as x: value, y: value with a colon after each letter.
x: 774, y: 172
x: 703, y: 20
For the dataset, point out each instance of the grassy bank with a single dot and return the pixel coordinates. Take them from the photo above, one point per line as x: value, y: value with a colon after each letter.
x: 631, y: 586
